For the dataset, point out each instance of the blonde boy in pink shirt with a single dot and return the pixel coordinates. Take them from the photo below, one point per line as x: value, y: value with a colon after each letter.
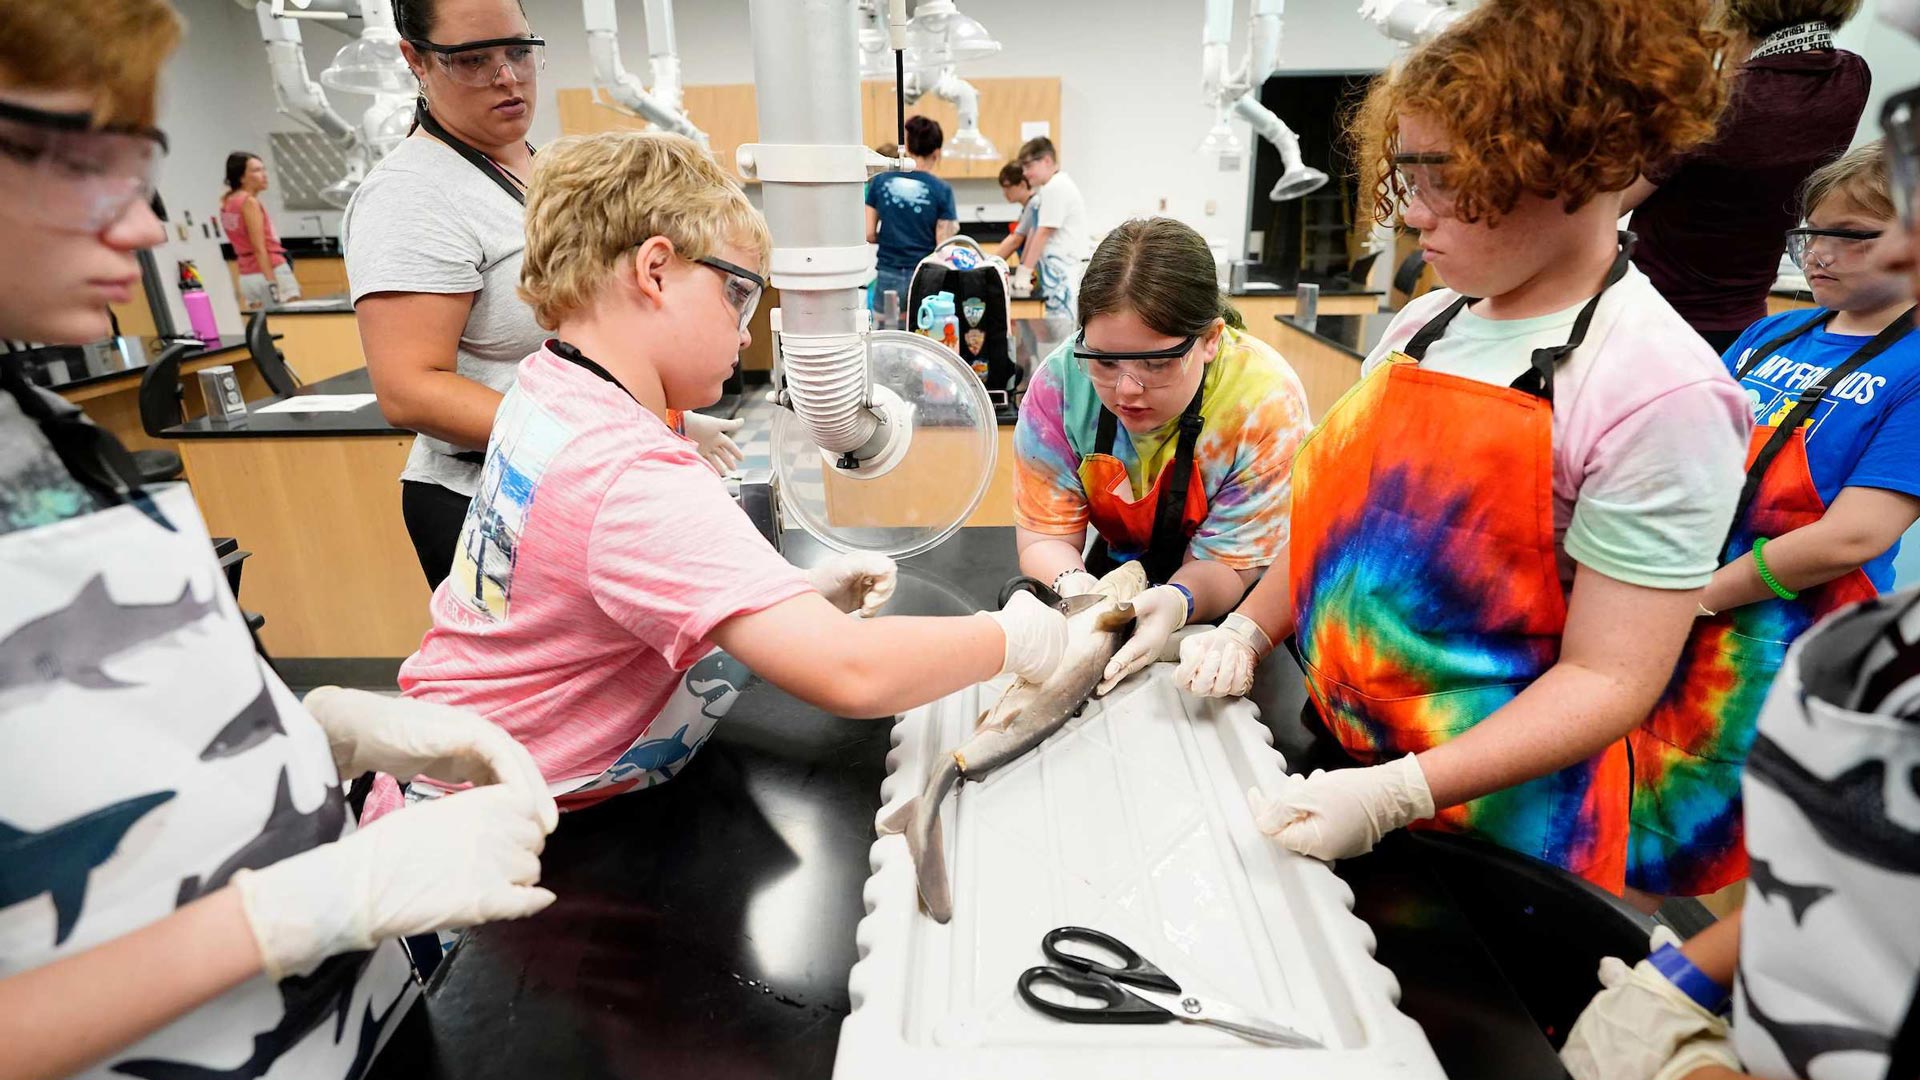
x: 601, y: 557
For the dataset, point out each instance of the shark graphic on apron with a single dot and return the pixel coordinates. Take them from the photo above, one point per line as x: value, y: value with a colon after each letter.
x: 146, y: 755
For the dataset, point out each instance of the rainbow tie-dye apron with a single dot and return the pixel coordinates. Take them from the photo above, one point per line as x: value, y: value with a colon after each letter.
x: 1426, y: 590
x: 1687, y: 832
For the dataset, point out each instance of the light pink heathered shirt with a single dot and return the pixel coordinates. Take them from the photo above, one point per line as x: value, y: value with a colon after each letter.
x: 598, y: 556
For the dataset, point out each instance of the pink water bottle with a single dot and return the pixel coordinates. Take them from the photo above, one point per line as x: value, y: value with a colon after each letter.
x: 200, y: 314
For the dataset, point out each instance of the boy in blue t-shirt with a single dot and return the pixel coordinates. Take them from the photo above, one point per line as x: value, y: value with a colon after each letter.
x: 909, y: 213
x: 1863, y: 439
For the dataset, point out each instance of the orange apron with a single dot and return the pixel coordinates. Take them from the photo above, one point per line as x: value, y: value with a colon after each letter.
x: 1426, y: 587
x: 1153, y: 529
x: 1687, y: 831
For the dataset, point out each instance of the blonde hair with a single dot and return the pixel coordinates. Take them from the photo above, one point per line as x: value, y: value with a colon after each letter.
x: 113, y: 49
x: 594, y: 198
x: 1858, y: 176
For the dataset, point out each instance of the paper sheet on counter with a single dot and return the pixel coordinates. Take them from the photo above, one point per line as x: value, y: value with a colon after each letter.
x: 312, y: 403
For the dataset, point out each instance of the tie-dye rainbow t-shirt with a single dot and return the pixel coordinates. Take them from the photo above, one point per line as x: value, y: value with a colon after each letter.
x: 1256, y: 415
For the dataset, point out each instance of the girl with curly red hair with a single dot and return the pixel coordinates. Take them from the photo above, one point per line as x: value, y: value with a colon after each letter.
x: 1500, y: 535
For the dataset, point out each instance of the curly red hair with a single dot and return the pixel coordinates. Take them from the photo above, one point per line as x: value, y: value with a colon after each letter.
x: 1556, y: 98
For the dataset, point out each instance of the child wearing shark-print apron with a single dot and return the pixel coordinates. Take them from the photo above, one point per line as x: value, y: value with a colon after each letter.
x: 181, y: 893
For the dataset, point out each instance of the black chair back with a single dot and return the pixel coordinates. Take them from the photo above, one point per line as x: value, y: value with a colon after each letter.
x: 267, y: 359
x: 160, y: 389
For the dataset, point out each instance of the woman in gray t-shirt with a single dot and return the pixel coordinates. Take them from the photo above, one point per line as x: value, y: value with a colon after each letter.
x: 433, y: 243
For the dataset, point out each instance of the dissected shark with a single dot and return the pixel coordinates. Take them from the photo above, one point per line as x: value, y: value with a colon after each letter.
x: 60, y: 860
x: 1024, y: 717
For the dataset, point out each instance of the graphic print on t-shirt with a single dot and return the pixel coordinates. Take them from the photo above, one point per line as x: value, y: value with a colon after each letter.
x: 907, y: 193
x: 525, y: 439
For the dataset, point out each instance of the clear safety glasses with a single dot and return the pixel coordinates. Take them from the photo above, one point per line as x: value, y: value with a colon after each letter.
x: 743, y: 287
x: 1422, y: 177
x: 1825, y: 247
x: 1152, y: 369
x: 1900, y: 123
x: 62, y: 171
x: 478, y: 63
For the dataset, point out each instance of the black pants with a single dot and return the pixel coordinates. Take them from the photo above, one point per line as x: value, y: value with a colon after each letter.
x: 1721, y: 340
x: 433, y: 515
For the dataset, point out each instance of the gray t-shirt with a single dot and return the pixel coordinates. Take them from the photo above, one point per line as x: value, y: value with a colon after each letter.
x: 426, y: 221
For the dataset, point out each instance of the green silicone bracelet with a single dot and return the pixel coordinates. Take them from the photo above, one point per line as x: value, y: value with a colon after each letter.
x: 1766, y: 575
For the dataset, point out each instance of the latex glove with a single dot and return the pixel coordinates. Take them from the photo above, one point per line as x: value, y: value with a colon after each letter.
x: 467, y: 858
x: 857, y: 582
x: 1075, y: 583
x: 713, y: 437
x: 1023, y: 279
x: 1642, y: 1027
x: 1036, y: 637
x: 1220, y: 662
x: 1337, y: 815
x: 1158, y: 612
x: 405, y: 738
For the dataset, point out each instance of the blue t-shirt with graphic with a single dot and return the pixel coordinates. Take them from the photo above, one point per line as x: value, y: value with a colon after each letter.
x: 1865, y: 432
x: 910, y: 204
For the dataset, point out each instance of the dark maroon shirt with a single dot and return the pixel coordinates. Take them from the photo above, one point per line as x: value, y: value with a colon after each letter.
x: 1712, y: 236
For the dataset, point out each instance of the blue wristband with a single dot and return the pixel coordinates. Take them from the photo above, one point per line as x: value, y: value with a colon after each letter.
x: 1186, y: 592
x: 1690, y: 980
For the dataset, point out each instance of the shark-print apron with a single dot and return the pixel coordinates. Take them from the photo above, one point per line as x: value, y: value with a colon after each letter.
x: 1829, y: 943
x: 146, y: 755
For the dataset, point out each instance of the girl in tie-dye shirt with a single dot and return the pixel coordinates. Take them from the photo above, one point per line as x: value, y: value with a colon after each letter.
x: 1100, y: 432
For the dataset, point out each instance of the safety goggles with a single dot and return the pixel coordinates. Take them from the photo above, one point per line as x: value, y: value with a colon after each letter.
x: 72, y: 175
x: 1423, y: 177
x: 1837, y: 243
x: 743, y: 287
x: 1151, y: 369
x: 478, y: 63
x: 1900, y: 123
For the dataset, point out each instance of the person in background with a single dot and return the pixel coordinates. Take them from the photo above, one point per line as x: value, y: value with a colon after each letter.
x: 250, y: 231
x: 601, y: 559
x: 1833, y: 482
x: 1500, y: 536
x: 1015, y: 189
x: 1711, y: 222
x: 909, y: 213
x: 180, y: 888
x: 1057, y: 247
x: 1819, y: 967
x: 1165, y: 427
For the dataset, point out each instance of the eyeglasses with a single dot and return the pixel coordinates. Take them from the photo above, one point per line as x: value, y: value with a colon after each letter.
x: 1151, y: 369
x: 1900, y: 123
x: 1423, y: 177
x: 743, y: 287
x: 477, y: 63
x: 78, y: 177
x: 1840, y: 243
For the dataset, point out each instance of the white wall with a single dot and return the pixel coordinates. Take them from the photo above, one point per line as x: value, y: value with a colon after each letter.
x: 1893, y: 56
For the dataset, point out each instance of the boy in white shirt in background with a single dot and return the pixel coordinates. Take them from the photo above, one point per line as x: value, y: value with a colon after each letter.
x: 1058, y: 246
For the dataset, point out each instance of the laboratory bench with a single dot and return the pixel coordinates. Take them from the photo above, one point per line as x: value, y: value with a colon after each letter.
x: 1327, y: 358
x: 318, y: 335
x: 106, y: 383
x: 705, y: 928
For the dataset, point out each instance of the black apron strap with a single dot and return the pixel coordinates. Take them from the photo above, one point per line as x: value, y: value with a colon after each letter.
x: 423, y: 118
x: 1808, y: 401
x: 1103, y: 432
x: 1167, y: 548
x: 1430, y: 333
x: 90, y: 453
x: 1538, y: 378
x: 1759, y: 354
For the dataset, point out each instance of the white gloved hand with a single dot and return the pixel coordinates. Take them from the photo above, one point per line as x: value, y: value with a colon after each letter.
x: 1642, y: 1027
x: 713, y: 437
x: 1075, y: 583
x: 460, y: 860
x: 1036, y: 637
x: 405, y: 738
x: 856, y: 582
x: 1220, y: 662
x: 1340, y: 814
x: 1158, y: 612
x: 1023, y: 279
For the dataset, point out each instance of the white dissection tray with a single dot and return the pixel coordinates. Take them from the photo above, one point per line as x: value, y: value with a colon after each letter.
x: 1131, y: 820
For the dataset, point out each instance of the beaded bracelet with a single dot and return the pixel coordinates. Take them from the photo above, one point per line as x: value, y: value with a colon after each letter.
x: 1766, y: 575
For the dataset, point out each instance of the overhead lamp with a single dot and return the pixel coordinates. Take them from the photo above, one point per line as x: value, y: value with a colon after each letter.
x: 968, y: 144
x: 941, y: 35
x: 371, y: 64
x: 1221, y: 142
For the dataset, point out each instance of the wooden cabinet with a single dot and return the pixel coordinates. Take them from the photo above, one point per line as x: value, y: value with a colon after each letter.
x: 727, y: 114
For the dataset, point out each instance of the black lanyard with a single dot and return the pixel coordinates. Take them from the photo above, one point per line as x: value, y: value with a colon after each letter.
x: 1167, y: 546
x: 423, y: 118
x: 1809, y: 398
x: 90, y: 454
x: 1538, y: 378
x: 573, y: 355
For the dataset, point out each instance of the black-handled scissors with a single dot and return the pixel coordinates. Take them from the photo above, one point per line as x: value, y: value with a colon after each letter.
x: 1136, y: 992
